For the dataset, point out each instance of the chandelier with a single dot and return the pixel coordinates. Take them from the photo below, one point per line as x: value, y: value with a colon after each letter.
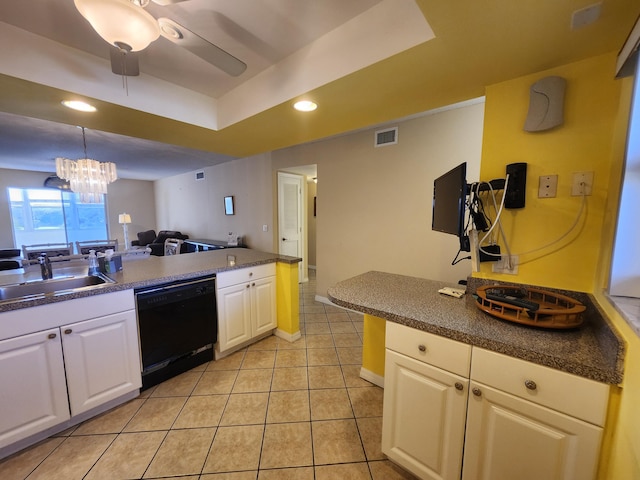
x: 88, y: 178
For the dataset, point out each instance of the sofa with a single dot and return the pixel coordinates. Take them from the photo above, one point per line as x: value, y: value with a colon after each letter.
x: 155, y: 242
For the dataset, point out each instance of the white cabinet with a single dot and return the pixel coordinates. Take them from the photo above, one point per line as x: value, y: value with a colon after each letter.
x: 62, y: 371
x: 101, y: 359
x: 529, y: 422
x: 246, y: 301
x: 424, y: 403
x: 513, y: 419
x: 33, y: 395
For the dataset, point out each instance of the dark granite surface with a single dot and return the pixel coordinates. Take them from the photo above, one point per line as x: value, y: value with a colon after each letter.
x: 152, y: 270
x: 593, y: 350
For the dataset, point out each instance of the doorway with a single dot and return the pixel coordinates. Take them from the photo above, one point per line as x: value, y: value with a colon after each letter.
x: 291, y: 219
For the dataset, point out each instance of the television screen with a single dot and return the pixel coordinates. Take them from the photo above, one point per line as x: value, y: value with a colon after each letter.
x: 449, y: 197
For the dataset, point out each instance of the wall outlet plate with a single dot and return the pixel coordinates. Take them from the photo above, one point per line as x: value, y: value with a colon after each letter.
x: 582, y: 184
x: 503, y: 266
x: 548, y: 186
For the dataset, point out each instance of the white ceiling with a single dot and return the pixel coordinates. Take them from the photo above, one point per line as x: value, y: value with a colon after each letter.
x: 270, y: 36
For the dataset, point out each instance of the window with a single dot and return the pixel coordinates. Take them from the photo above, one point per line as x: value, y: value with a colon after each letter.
x: 41, y: 215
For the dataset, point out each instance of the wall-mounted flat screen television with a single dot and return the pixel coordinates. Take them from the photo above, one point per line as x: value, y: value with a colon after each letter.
x: 449, y: 198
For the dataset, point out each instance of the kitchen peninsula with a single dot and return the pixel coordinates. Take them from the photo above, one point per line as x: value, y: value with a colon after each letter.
x: 512, y: 401
x: 67, y: 356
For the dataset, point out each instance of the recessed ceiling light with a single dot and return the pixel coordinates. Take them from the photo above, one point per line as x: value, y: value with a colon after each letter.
x: 78, y: 105
x: 305, y: 106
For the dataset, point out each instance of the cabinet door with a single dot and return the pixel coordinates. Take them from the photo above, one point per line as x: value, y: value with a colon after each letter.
x: 508, y: 437
x: 101, y: 359
x: 263, y: 293
x: 423, y: 417
x: 33, y: 393
x: 234, y: 315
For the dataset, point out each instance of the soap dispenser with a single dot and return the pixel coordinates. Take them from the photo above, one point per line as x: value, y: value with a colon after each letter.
x: 93, y: 263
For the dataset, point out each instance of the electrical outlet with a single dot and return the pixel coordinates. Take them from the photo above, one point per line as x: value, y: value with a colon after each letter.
x: 504, y: 266
x: 265, y: 228
x: 548, y: 186
x: 582, y: 184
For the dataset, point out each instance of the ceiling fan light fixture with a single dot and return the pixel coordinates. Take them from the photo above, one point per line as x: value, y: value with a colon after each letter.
x: 120, y: 21
x: 305, y: 106
x: 169, y: 30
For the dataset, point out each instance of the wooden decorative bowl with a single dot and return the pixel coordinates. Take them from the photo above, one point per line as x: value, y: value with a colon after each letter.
x: 556, y: 311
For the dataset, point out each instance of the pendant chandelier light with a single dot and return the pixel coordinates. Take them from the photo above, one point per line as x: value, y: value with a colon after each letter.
x: 88, y: 178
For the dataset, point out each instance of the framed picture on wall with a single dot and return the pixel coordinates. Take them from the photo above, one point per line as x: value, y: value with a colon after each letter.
x: 228, y: 205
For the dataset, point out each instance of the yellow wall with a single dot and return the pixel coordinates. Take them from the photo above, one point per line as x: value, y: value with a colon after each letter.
x: 287, y: 298
x: 583, y: 143
x: 592, y: 139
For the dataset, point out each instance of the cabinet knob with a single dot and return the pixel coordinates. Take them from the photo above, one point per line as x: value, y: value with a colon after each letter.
x: 68, y: 331
x: 253, y: 284
x: 248, y: 285
x: 251, y: 274
x: 459, y: 386
x: 530, y: 384
x: 51, y: 336
x: 477, y: 392
x: 422, y: 348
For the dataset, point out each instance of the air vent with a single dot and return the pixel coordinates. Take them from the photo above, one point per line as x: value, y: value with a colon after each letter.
x: 386, y: 137
x: 199, y: 175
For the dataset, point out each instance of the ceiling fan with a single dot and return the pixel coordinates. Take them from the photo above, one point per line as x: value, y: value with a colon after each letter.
x: 129, y: 28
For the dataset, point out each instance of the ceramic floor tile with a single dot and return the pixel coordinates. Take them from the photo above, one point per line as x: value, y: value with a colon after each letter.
x: 316, y: 327
x: 313, y: 309
x: 336, y: 441
x: 298, y: 344
x: 352, y: 377
x: 248, y: 475
x: 245, y: 409
x: 288, y: 406
x: 179, y: 386
x: 386, y: 470
x: 73, y: 458
x: 336, y: 317
x: 342, y: 327
x: 347, y: 340
x: 320, y: 341
x: 370, y: 429
x: 346, y: 471
x: 253, y: 381
x: 19, y: 465
x: 291, y: 358
x: 290, y: 378
x: 112, y: 421
x: 350, y: 355
x: 201, y: 411
x: 330, y: 404
x: 326, y: 376
x: 322, y: 356
x: 235, y: 449
x: 128, y: 456
x: 268, y: 343
x: 286, y: 445
x: 156, y: 414
x: 183, y: 452
x: 366, y: 402
x: 216, y: 382
x: 231, y: 362
x: 259, y: 359
x: 299, y: 473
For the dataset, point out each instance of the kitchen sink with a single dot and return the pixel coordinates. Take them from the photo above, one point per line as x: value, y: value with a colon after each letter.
x: 29, y: 290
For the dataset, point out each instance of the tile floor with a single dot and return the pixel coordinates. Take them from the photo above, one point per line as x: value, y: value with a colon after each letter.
x: 275, y: 410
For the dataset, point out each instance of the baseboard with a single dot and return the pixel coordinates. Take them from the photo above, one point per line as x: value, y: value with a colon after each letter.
x: 374, y: 378
x: 289, y: 337
x: 311, y: 267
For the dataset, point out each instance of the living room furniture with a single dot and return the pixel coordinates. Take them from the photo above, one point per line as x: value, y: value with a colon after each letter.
x: 31, y: 252
x: 149, y: 239
x: 203, y: 244
x: 84, y: 247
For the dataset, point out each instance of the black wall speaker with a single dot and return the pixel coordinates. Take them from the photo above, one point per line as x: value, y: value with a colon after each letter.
x: 515, y: 194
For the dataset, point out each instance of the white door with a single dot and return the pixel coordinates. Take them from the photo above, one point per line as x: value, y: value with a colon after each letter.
x: 423, y: 417
x: 508, y: 437
x: 33, y: 392
x: 290, y: 217
x: 102, y: 360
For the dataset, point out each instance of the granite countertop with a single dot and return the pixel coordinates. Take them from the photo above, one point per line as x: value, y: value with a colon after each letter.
x: 592, y: 351
x: 152, y: 270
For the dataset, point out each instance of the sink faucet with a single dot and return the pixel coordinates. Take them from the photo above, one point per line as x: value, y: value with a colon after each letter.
x: 45, y: 266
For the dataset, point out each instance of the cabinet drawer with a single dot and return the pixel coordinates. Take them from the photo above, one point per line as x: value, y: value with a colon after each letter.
x: 441, y: 352
x: 233, y: 277
x: 576, y: 396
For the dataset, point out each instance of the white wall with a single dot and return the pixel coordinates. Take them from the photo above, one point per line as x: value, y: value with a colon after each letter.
x: 196, y: 208
x: 374, y: 204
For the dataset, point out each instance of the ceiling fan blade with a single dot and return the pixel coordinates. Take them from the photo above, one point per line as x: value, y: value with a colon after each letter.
x: 167, y: 2
x: 124, y: 63
x: 204, y: 49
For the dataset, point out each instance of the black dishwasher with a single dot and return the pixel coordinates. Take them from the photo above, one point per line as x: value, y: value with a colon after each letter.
x: 178, y: 327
